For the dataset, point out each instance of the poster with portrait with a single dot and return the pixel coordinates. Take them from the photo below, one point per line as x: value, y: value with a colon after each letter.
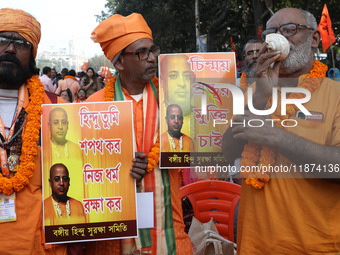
x: 88, y: 193
x: 193, y: 95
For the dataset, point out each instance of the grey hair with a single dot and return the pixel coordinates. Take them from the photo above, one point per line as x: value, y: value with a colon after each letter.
x: 311, y: 21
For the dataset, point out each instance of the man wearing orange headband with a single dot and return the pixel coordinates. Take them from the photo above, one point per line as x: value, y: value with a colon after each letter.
x: 21, y: 96
x: 128, y: 43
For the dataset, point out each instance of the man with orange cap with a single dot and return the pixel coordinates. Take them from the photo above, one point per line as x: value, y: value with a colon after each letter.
x: 21, y: 96
x: 128, y: 43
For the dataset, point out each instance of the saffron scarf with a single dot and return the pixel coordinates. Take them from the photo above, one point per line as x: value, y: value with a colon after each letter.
x: 157, y: 181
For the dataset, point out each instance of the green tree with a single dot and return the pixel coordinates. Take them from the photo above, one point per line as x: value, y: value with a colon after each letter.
x: 173, y: 21
x: 98, y: 61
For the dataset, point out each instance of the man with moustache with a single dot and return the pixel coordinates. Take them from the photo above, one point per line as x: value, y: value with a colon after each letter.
x: 128, y: 43
x: 250, y: 54
x: 295, y: 213
x: 21, y: 96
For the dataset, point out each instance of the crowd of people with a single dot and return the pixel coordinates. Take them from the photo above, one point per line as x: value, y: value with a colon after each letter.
x: 294, y: 214
x: 71, y: 86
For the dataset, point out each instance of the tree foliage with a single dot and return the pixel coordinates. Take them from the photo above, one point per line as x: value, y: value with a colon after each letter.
x: 98, y: 61
x: 173, y: 21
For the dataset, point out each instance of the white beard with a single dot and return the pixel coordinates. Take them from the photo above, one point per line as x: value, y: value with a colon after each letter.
x: 297, y: 58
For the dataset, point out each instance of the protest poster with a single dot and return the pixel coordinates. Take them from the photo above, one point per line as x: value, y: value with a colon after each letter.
x: 193, y: 95
x: 96, y: 198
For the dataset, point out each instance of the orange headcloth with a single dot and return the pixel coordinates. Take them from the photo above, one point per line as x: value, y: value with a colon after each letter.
x: 117, y: 32
x: 15, y: 20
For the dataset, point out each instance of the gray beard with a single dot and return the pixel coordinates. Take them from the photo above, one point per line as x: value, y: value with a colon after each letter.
x: 251, y: 75
x: 297, y: 58
x: 250, y: 71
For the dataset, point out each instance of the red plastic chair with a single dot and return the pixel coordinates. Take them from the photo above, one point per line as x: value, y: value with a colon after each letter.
x: 214, y: 199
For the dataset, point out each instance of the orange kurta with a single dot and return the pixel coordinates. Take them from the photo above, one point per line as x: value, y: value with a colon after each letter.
x: 297, y: 215
x: 25, y: 235
x: 187, y: 143
x: 77, y: 214
x: 183, y: 245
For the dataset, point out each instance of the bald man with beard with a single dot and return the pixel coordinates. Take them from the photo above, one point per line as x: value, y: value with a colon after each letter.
x: 293, y: 212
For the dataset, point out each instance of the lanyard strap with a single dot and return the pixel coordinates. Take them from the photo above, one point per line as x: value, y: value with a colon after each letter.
x: 3, y: 153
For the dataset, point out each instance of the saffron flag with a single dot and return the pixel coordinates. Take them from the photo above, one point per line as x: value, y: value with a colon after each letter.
x: 108, y: 76
x: 232, y: 46
x: 259, y: 33
x: 85, y: 65
x: 325, y: 28
x: 103, y: 71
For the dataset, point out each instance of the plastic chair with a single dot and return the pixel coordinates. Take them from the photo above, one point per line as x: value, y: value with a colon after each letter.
x: 333, y: 71
x: 214, y: 199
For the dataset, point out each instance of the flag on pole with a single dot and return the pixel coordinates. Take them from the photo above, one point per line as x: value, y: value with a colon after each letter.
x: 108, y: 76
x: 85, y: 66
x: 232, y: 46
x: 103, y: 71
x: 259, y: 33
x: 325, y: 28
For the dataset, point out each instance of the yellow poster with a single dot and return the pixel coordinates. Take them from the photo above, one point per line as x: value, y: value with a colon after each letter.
x: 193, y: 96
x: 88, y: 193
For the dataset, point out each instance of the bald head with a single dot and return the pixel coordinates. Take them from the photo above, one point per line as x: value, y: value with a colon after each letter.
x: 58, y: 125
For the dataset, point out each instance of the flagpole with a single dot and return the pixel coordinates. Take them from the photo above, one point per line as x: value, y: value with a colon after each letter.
x: 330, y: 39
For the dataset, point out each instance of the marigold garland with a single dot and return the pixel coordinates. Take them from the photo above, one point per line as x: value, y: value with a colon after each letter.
x: 70, y: 77
x: 30, y: 139
x: 153, y: 155
x: 265, y: 155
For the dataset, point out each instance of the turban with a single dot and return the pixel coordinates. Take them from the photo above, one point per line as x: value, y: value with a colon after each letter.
x: 14, y: 20
x: 117, y: 32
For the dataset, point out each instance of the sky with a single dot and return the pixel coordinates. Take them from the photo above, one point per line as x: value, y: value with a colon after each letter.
x: 62, y: 21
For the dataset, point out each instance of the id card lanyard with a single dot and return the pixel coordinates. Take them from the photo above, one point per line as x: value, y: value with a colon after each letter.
x: 3, y: 153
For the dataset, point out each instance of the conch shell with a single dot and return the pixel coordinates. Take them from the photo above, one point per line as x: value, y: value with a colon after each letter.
x: 277, y: 42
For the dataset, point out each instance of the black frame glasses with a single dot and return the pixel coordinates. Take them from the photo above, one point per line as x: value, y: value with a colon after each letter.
x: 144, y: 54
x: 19, y: 44
x: 286, y: 30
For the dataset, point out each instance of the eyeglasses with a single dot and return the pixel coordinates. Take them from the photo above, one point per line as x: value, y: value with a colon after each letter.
x: 144, y: 54
x: 286, y: 30
x: 18, y: 44
x: 173, y: 116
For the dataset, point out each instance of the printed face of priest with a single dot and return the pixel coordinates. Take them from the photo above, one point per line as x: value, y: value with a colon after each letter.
x: 58, y: 125
x: 174, y: 120
x: 179, y: 79
x: 59, y: 182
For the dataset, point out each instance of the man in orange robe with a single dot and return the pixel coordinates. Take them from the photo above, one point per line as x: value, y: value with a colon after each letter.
x: 128, y: 43
x: 19, y: 38
x: 298, y: 211
x: 59, y: 209
x: 174, y: 140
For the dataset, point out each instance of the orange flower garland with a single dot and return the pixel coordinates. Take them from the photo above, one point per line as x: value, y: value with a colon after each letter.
x: 153, y: 155
x: 70, y: 77
x: 244, y: 81
x: 266, y: 155
x: 30, y: 139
